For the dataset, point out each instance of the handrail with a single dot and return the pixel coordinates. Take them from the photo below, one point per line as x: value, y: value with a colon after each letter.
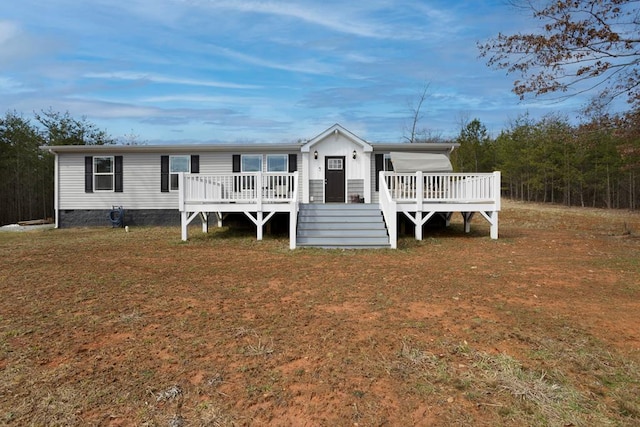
x: 444, y: 187
x: 257, y: 187
x: 389, y: 212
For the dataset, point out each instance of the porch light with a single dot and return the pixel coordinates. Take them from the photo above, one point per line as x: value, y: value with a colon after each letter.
x: 354, y: 154
x: 315, y: 154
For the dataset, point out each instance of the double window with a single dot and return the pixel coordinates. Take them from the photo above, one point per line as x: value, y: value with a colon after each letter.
x: 103, y: 173
x: 275, y: 163
x: 247, y: 163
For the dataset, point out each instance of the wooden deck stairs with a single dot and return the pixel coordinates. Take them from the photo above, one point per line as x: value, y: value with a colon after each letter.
x: 343, y: 226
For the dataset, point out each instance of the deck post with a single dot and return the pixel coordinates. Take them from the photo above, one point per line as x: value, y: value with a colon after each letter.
x: 418, y: 225
x: 419, y: 201
x: 494, y: 225
x: 468, y: 216
x: 184, y: 224
x: 204, y: 217
x: 492, y: 218
x: 259, y: 224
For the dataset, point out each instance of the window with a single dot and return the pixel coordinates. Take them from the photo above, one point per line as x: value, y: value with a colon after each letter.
x: 334, y: 164
x: 103, y: 172
x: 178, y: 164
x: 251, y: 163
x: 277, y: 163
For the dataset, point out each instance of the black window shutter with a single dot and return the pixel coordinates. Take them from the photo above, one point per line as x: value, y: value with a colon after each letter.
x: 236, y: 163
x: 235, y: 169
x: 195, y: 164
x: 379, y: 167
x: 118, y: 174
x: 293, y: 162
x: 88, y: 174
x: 164, y: 174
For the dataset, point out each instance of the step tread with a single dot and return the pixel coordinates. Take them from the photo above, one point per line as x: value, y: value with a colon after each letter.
x: 344, y: 226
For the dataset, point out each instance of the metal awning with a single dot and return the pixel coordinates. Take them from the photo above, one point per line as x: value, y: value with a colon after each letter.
x: 424, y: 162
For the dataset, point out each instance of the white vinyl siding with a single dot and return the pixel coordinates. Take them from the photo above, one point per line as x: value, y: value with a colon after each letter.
x: 141, y: 181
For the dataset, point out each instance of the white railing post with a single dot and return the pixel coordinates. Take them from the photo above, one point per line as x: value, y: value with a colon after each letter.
x: 181, y: 193
x: 293, y: 214
x: 419, y: 189
x: 258, y: 191
x: 497, y: 189
x: 389, y: 212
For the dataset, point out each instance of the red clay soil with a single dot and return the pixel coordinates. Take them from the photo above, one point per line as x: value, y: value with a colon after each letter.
x: 103, y: 327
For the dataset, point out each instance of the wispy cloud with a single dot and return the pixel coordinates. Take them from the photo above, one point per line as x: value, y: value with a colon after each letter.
x: 157, y: 78
x: 351, y: 19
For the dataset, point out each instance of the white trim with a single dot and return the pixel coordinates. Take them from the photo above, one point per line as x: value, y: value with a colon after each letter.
x: 95, y: 174
x: 337, y: 130
x: 56, y: 189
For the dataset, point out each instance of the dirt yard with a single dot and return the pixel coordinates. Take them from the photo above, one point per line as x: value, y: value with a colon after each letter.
x: 541, y: 327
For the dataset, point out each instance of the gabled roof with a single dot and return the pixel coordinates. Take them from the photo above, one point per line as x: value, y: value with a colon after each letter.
x: 337, y: 130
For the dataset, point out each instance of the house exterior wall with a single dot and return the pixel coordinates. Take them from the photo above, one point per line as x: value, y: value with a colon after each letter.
x: 144, y: 202
x: 355, y: 189
x: 141, y: 195
x: 316, y: 191
x: 337, y: 145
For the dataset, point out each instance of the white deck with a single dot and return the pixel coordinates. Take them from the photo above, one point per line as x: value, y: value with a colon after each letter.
x: 417, y: 195
x: 421, y: 195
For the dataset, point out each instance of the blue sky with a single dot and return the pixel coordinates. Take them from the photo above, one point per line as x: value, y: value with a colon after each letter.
x: 270, y: 71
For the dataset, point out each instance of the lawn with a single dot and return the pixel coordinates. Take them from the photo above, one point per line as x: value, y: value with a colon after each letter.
x: 541, y: 327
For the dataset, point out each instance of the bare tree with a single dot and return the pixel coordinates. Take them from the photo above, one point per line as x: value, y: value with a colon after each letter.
x: 581, y: 46
x: 416, y: 114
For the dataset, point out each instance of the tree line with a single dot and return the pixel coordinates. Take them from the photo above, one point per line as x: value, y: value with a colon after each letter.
x: 595, y: 164
x: 27, y: 171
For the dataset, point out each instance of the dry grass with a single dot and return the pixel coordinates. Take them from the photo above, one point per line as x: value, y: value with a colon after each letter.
x: 102, y: 327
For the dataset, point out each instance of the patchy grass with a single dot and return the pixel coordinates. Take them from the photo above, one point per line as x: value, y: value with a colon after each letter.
x: 102, y: 327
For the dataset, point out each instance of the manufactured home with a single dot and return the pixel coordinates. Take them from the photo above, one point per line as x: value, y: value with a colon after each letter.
x: 337, y: 189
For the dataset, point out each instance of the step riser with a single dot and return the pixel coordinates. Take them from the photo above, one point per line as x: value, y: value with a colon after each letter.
x: 341, y: 226
x: 353, y: 220
x: 343, y: 233
x: 359, y: 212
x: 354, y: 241
x: 333, y: 206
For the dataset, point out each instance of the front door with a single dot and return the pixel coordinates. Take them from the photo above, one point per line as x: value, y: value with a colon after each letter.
x: 334, y: 179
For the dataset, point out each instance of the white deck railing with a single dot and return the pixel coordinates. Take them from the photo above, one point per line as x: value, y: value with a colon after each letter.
x: 422, y: 187
x: 238, y: 187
